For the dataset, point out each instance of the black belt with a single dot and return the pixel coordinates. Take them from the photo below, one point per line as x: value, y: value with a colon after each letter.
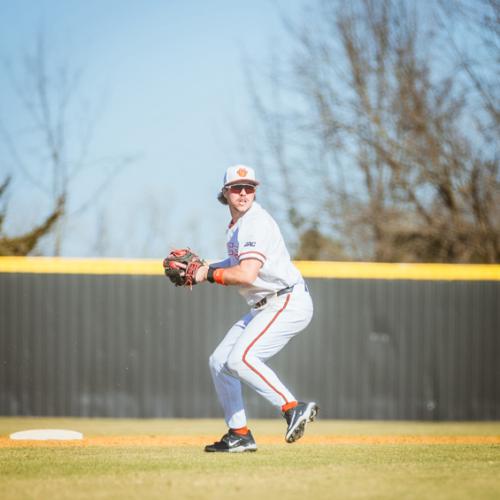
x: 263, y: 302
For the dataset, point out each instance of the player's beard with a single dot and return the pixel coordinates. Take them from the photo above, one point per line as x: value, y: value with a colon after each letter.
x: 241, y: 205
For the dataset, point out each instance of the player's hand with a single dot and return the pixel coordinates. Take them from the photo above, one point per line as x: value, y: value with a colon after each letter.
x: 201, y: 274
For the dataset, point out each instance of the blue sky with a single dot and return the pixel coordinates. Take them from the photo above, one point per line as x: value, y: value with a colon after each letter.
x: 169, y: 76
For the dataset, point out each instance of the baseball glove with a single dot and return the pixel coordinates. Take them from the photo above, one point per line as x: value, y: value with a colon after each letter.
x: 181, y: 266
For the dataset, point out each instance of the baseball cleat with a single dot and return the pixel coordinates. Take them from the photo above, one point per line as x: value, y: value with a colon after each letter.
x: 232, y: 442
x: 297, y: 418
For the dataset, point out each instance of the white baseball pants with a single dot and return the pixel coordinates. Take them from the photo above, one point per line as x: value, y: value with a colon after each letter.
x: 256, y: 337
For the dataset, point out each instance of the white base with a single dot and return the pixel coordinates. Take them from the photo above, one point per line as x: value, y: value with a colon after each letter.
x: 45, y: 434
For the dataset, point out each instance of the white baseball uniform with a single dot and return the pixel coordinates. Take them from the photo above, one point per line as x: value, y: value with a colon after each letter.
x: 268, y: 327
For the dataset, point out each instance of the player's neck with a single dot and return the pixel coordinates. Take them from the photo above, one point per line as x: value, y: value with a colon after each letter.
x: 237, y: 214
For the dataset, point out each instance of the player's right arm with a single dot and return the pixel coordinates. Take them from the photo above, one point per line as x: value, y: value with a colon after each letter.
x: 243, y: 274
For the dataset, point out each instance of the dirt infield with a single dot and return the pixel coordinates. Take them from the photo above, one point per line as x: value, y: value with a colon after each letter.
x: 6, y: 442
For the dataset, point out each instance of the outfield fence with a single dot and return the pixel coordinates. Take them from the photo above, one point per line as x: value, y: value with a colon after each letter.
x: 115, y: 338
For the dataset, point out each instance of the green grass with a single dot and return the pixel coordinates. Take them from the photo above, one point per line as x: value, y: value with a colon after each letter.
x: 275, y: 471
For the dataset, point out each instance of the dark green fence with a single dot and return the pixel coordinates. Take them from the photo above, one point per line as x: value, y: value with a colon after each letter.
x: 134, y: 346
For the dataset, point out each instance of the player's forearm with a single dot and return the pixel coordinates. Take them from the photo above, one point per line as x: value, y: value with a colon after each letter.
x: 243, y: 274
x: 236, y: 275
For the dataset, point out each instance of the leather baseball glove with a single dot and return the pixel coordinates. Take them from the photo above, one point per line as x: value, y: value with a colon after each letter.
x: 181, y: 266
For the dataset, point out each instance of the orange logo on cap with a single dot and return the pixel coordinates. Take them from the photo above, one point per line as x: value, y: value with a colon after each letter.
x: 242, y: 172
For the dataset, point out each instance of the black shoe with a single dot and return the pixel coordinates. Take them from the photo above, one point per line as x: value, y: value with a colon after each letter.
x: 233, y: 443
x: 297, y: 418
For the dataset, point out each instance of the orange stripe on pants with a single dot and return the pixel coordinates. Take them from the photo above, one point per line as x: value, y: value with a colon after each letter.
x: 253, y: 343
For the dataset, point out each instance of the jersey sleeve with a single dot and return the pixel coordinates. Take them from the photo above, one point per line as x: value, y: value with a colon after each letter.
x: 253, y: 241
x: 221, y: 263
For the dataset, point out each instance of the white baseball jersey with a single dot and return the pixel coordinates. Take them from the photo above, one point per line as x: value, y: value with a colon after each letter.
x: 257, y: 236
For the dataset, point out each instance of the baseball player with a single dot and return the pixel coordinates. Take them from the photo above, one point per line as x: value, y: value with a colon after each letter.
x: 280, y: 307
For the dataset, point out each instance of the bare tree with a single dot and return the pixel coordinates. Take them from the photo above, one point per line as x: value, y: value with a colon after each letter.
x: 24, y: 244
x: 398, y: 157
x: 59, y: 128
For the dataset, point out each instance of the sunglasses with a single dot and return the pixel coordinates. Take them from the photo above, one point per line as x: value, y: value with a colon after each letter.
x: 238, y: 188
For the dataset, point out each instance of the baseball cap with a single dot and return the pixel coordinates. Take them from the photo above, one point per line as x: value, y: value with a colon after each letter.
x: 238, y: 174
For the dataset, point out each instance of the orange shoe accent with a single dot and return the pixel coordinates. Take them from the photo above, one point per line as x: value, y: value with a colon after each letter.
x: 243, y: 431
x: 286, y: 407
